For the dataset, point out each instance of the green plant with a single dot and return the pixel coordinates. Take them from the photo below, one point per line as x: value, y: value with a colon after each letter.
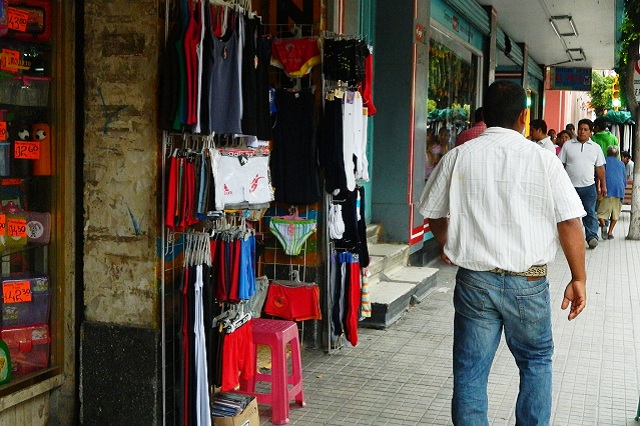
x: 600, y: 92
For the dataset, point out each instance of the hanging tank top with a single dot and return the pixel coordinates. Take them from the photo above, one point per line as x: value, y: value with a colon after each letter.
x: 225, y: 87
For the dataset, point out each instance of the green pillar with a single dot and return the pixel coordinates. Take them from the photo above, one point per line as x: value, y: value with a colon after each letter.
x: 401, y: 79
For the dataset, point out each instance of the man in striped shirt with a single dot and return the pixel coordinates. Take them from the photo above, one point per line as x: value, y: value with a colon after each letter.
x: 500, y: 207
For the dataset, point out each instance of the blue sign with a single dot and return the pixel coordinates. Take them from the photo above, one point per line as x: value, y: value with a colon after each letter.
x: 578, y: 79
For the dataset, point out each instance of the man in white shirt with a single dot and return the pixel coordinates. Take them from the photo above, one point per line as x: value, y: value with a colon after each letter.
x: 580, y: 157
x: 500, y: 207
x: 538, y: 133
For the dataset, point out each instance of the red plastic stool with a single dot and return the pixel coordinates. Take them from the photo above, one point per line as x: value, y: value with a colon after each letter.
x: 276, y: 334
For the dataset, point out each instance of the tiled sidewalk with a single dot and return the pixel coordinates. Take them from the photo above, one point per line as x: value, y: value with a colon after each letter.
x: 402, y: 375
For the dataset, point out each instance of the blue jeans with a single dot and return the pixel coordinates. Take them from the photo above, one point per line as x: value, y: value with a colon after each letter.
x: 589, y: 195
x: 485, y: 303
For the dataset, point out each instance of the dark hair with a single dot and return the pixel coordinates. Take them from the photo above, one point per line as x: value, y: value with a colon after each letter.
x: 561, y: 132
x: 600, y: 123
x: 503, y: 102
x: 625, y: 154
x: 539, y: 124
x: 478, y: 116
x: 587, y: 122
x: 570, y: 126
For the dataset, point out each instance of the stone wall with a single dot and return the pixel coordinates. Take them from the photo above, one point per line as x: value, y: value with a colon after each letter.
x: 121, y: 146
x: 120, y: 336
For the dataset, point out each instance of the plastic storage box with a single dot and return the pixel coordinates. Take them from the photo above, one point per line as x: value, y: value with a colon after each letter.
x: 25, y: 91
x: 18, y: 307
x: 28, y: 347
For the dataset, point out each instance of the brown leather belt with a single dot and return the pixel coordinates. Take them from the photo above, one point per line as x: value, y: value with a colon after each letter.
x: 534, y: 271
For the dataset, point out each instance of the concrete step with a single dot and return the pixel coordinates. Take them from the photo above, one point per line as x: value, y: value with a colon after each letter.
x: 396, y: 291
x: 373, y: 233
x: 386, y: 256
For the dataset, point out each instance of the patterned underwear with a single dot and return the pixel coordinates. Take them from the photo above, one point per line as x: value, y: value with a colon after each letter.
x: 292, y: 234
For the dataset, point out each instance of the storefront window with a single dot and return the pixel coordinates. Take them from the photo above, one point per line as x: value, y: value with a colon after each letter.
x: 452, y: 89
x: 452, y: 96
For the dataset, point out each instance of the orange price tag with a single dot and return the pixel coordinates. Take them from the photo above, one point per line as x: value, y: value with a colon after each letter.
x: 17, y: 228
x: 10, y: 60
x: 16, y: 292
x: 3, y: 223
x: 17, y: 19
x: 7, y: 182
x: 26, y: 150
x: 3, y: 131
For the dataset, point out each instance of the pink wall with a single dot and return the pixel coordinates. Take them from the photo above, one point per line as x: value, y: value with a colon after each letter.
x: 553, y: 113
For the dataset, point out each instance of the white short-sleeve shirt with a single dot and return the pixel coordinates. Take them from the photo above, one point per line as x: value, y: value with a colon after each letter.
x: 504, y: 197
x: 580, y: 159
x: 547, y: 144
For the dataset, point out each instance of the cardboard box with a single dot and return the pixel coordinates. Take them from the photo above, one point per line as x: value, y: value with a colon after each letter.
x: 249, y: 417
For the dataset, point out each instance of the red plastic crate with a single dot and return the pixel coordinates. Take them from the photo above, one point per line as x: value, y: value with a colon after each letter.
x: 28, y: 347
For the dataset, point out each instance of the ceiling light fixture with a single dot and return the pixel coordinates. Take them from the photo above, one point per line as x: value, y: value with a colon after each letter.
x: 564, y: 26
x: 576, y: 54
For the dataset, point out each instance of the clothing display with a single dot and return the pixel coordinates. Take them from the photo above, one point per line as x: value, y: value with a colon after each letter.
x: 294, y: 164
x: 202, y: 183
x: 237, y: 139
x: 218, y: 273
x: 296, y: 56
x: 293, y: 301
x: 354, y: 237
x: 345, y: 289
x: 292, y: 234
x: 215, y: 63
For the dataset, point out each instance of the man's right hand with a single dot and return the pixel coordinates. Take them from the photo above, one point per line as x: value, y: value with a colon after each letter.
x: 575, y: 295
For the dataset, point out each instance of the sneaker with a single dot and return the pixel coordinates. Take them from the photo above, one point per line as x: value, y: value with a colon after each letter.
x: 610, y: 237
x: 603, y: 232
x: 593, y: 243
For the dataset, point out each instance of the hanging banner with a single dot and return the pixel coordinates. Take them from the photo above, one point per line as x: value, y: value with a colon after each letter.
x: 564, y: 78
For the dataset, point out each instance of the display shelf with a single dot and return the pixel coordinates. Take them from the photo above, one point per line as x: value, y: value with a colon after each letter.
x: 11, y: 250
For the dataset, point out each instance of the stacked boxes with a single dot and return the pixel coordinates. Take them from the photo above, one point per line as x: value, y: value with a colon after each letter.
x: 25, y: 308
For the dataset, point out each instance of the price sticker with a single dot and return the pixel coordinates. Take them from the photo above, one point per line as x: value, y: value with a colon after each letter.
x: 3, y: 224
x: 17, y: 19
x: 16, y: 292
x: 3, y: 131
x: 26, y: 150
x: 7, y: 182
x: 17, y: 228
x: 10, y: 60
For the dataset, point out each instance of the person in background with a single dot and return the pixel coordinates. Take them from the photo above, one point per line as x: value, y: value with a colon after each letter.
x: 474, y: 131
x: 580, y: 157
x: 628, y: 164
x: 562, y: 137
x: 552, y: 135
x: 609, y: 207
x: 571, y: 129
x: 436, y: 149
x: 538, y: 134
x: 602, y: 136
x: 500, y: 207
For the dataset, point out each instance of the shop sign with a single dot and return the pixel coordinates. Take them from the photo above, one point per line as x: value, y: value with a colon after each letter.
x: 566, y: 78
x: 636, y: 81
x: 420, y: 34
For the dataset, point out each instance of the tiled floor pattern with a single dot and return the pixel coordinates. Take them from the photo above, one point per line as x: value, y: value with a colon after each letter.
x: 402, y: 375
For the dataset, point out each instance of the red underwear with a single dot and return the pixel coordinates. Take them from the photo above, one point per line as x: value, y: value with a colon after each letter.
x: 294, y: 303
x: 295, y: 55
x: 238, y: 357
